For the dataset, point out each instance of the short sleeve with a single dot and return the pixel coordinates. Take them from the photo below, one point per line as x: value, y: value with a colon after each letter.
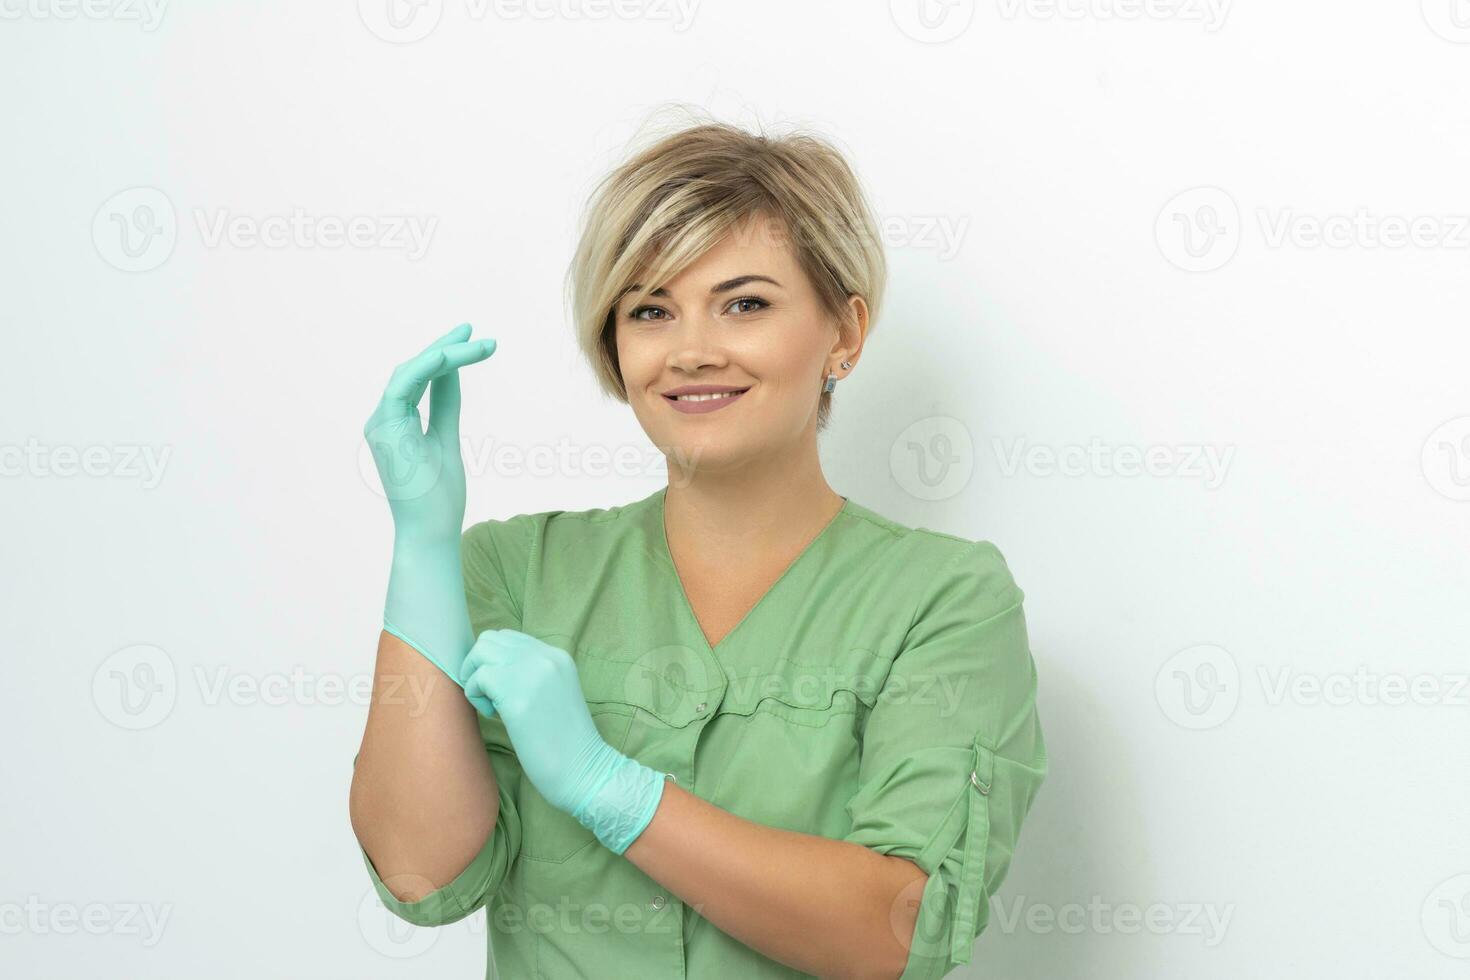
x: 480, y: 879
x: 493, y: 558
x: 952, y: 753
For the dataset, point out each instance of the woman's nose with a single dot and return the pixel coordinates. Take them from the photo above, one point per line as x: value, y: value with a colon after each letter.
x: 696, y: 343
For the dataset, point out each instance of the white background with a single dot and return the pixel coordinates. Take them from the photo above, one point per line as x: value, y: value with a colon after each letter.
x: 1100, y: 228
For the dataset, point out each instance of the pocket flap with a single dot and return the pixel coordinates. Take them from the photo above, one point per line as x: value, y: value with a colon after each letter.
x: 806, y: 687
x: 673, y: 682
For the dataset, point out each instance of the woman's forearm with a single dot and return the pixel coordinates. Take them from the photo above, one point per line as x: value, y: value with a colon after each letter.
x: 823, y: 906
x: 424, y: 799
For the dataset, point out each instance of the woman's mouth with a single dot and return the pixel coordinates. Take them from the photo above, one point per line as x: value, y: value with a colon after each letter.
x: 702, y: 404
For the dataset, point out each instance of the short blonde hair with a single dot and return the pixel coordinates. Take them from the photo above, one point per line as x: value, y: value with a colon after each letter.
x: 670, y: 202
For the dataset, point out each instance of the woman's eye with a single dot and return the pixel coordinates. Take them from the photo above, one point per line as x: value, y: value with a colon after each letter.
x: 637, y: 312
x: 751, y: 299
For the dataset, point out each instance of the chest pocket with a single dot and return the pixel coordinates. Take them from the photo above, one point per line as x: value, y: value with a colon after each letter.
x: 809, y: 695
x: 789, y: 745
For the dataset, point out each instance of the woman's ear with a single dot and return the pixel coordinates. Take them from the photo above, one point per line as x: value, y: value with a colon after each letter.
x: 852, y: 330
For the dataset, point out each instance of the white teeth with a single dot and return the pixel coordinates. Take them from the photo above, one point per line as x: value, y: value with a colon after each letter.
x: 705, y: 398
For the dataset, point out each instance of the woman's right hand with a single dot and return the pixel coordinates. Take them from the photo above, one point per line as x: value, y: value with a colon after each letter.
x: 421, y: 471
x: 424, y: 480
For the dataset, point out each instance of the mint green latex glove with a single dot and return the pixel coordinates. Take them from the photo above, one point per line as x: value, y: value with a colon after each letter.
x: 534, y: 688
x: 423, y: 478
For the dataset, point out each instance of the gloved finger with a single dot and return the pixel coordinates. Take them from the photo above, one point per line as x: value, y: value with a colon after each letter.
x: 400, y: 401
x: 444, y: 404
x: 410, y: 378
x: 459, y: 334
x: 402, y: 406
x: 484, y: 683
x: 490, y: 649
x: 483, y: 705
x: 444, y: 409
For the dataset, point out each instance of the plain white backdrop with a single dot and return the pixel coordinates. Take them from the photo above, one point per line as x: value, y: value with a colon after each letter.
x: 1177, y: 317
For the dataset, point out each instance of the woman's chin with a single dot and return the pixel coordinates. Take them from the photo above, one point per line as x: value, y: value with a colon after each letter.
x: 714, y: 454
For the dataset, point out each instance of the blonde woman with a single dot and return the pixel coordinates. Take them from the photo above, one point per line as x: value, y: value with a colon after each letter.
x: 744, y: 726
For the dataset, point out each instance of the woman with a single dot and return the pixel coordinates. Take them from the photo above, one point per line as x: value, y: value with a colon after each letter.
x: 745, y: 726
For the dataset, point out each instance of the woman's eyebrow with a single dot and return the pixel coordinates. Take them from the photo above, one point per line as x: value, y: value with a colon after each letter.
x: 715, y: 290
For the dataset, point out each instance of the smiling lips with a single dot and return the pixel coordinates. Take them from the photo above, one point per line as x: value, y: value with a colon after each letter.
x: 692, y: 401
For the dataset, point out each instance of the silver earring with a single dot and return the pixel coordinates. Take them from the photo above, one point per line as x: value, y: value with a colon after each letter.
x: 832, y: 378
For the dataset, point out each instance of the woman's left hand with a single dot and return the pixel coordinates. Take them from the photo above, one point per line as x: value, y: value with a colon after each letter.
x: 534, y: 688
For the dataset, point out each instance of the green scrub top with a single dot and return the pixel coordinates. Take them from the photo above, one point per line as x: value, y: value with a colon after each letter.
x: 881, y: 692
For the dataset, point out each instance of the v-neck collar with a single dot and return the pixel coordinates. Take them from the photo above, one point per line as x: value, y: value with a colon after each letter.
x: 661, y: 536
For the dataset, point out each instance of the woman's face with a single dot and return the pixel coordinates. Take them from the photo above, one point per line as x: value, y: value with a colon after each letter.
x: 743, y: 316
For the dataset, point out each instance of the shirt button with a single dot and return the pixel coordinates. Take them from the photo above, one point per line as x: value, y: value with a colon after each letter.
x: 657, y: 903
x: 700, y: 706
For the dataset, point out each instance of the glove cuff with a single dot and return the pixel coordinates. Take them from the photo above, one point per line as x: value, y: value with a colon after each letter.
x: 425, y: 606
x: 622, y: 806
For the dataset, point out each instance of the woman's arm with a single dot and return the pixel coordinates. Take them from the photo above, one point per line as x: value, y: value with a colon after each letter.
x: 827, y: 907
x: 833, y: 908
x: 424, y: 799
